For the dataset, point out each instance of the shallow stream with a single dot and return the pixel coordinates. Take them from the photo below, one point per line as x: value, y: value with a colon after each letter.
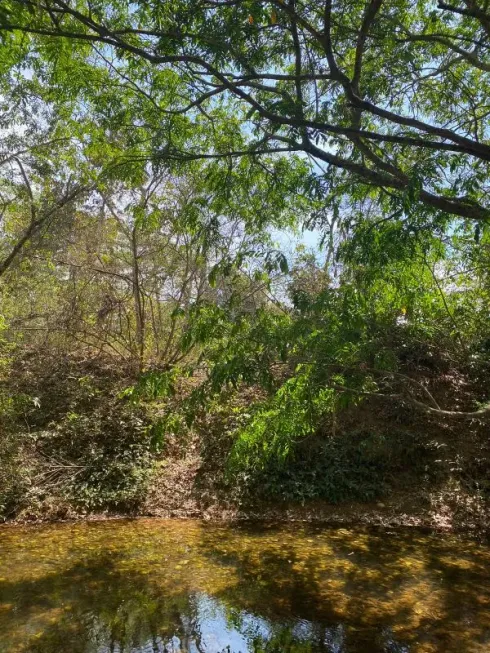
x: 193, y: 587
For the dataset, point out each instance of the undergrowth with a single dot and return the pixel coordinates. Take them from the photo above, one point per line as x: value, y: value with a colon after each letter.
x: 70, y: 444
x: 74, y: 442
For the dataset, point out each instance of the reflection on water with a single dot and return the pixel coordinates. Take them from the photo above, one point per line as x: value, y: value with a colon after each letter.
x: 161, y: 586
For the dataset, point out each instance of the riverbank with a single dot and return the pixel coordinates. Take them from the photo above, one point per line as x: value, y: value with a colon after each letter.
x: 445, y: 514
x: 90, y: 453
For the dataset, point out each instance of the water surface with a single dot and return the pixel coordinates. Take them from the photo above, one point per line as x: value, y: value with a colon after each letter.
x: 192, y: 587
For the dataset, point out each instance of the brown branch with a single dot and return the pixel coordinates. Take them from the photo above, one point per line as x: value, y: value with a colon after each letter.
x: 456, y: 206
x: 470, y: 57
x: 34, y: 227
x: 369, y: 15
x: 109, y: 273
x: 481, y: 412
x: 473, y: 11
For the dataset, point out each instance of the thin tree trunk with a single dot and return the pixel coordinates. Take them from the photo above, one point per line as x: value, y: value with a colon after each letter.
x: 138, y: 302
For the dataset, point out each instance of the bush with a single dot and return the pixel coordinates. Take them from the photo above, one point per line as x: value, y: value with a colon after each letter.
x: 83, y: 448
x: 358, y: 466
x: 98, y: 461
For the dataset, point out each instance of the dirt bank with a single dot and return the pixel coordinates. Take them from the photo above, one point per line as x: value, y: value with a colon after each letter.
x: 445, y: 511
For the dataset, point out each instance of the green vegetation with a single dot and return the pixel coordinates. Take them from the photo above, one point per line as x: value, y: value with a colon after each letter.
x: 151, y: 155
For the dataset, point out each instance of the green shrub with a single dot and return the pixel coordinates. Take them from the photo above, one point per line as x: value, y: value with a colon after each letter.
x: 104, y: 458
x: 360, y: 466
x: 14, y: 476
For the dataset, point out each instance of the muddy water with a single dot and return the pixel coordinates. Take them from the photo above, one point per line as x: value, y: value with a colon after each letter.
x: 150, y: 585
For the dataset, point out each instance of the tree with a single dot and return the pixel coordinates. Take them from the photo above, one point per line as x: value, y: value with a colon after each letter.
x: 368, y: 118
x: 123, y: 273
x: 390, y: 95
x: 36, y: 189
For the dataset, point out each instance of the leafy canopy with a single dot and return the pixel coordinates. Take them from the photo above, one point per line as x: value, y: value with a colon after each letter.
x: 390, y: 94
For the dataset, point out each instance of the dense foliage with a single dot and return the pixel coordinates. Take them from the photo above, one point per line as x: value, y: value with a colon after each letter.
x: 153, y: 158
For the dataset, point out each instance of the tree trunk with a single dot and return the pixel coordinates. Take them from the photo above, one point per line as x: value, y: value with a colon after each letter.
x: 138, y: 301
